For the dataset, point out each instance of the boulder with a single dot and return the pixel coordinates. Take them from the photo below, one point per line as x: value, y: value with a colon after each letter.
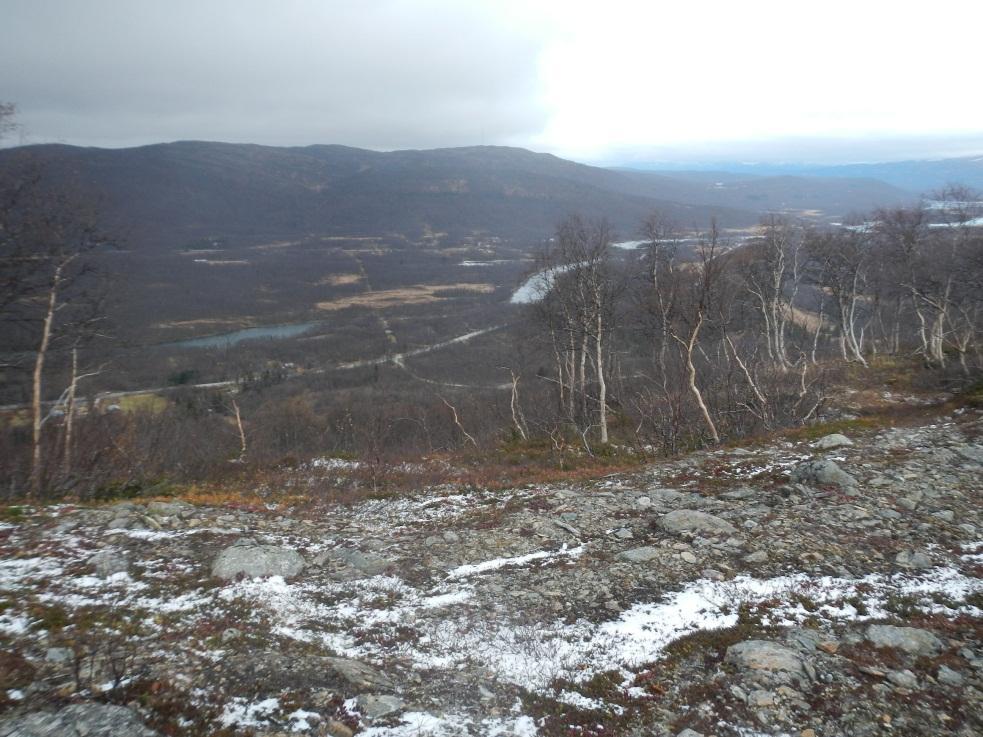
x: 691, y: 520
x: 912, y: 640
x: 354, y: 563
x: 256, y: 561
x: 77, y: 720
x: 913, y: 559
x: 822, y: 473
x: 763, y: 656
x: 376, y: 706
x: 832, y: 442
x: 109, y: 562
x: 640, y: 555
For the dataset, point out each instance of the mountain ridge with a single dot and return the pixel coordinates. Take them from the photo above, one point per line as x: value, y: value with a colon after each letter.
x: 169, y: 194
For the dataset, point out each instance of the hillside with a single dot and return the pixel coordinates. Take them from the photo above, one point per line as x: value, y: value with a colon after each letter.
x: 171, y: 194
x: 913, y: 177
x: 786, y: 587
x: 830, y: 195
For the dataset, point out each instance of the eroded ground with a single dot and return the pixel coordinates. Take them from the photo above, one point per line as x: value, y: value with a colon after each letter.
x: 736, y: 592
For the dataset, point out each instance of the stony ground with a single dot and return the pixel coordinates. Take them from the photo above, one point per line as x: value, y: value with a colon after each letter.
x: 792, y: 588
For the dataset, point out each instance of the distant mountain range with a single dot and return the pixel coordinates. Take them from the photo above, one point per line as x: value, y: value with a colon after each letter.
x: 168, y: 195
x: 915, y: 176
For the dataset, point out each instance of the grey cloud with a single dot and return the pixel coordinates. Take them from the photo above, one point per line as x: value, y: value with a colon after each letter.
x: 374, y: 73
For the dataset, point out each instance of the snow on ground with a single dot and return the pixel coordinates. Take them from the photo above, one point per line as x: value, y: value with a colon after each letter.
x: 537, y: 286
x: 492, y: 565
x: 532, y: 655
x: 418, y: 724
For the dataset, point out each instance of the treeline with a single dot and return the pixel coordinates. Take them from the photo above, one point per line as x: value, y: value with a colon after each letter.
x: 718, y: 339
x: 692, y: 339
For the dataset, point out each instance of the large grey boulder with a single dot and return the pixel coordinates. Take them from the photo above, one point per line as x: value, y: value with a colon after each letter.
x: 256, y: 561
x: 691, y: 520
x: 109, y: 562
x: 822, y: 473
x: 376, y: 706
x: 912, y: 640
x: 765, y: 657
x: 832, y: 442
x: 77, y: 720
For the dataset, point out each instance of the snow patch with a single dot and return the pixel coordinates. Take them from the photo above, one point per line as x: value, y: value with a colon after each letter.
x: 495, y: 564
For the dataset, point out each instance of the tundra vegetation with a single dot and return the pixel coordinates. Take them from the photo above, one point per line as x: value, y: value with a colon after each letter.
x: 690, y: 338
x: 687, y: 341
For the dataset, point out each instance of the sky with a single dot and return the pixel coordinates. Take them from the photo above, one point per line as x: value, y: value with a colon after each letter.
x: 606, y: 81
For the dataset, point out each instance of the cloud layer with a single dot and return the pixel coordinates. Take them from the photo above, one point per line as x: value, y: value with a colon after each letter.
x: 374, y: 73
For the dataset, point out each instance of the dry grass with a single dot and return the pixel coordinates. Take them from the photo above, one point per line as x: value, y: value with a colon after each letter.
x: 340, y: 280
x: 414, y: 295
x: 214, y: 323
x: 226, y: 262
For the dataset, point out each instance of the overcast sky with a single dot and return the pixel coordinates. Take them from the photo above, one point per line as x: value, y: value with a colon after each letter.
x: 604, y: 80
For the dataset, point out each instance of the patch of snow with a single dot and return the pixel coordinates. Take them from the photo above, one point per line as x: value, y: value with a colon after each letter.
x: 302, y: 721
x: 629, y: 245
x: 579, y: 701
x: 424, y: 724
x: 495, y: 564
x: 240, y: 712
x: 537, y: 286
x: 334, y: 464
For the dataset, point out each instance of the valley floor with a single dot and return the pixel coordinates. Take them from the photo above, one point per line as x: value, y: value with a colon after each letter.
x: 788, y: 588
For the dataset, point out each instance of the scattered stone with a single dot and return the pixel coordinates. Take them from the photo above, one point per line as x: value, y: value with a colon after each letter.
x: 360, y: 675
x: 355, y: 561
x: 913, y: 559
x: 688, y: 556
x: 912, y: 640
x: 58, y: 655
x: 257, y: 561
x: 641, y: 555
x: 758, y: 556
x: 338, y: 729
x: 109, y: 562
x: 166, y: 509
x: 950, y: 677
x: 763, y: 655
x: 831, y: 442
x: 81, y: 720
x: 903, y: 679
x: 376, y: 706
x: 739, y: 494
x: 761, y: 698
x: 691, y: 520
x: 689, y: 733
x: 972, y: 453
x: 822, y: 473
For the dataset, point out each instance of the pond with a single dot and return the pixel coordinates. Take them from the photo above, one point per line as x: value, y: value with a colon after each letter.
x: 226, y: 340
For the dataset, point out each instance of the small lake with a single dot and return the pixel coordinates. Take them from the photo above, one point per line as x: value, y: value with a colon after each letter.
x: 226, y: 340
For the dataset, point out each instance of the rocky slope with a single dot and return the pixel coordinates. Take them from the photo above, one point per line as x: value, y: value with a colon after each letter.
x: 792, y: 588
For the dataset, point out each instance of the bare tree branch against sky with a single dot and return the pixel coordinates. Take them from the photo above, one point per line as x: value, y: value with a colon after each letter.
x: 598, y: 81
